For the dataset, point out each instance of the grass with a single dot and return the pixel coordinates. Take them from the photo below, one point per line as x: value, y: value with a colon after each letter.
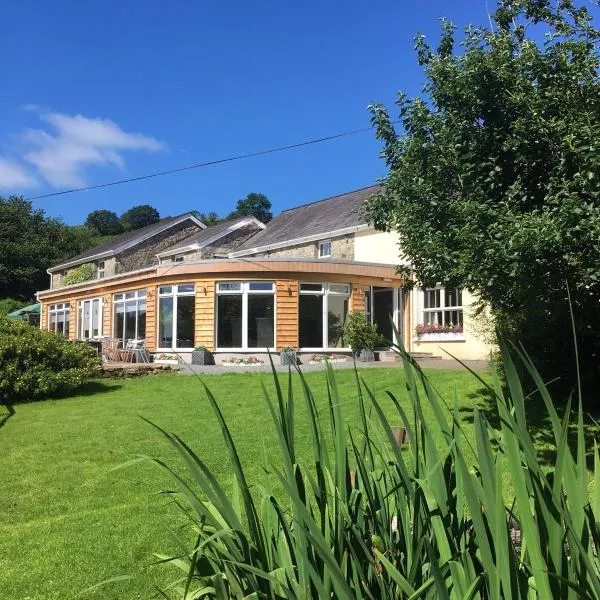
x: 70, y: 521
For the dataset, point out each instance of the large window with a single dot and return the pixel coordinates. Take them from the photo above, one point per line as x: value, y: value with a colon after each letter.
x: 442, y: 308
x: 58, y: 318
x: 323, y: 308
x: 130, y: 315
x: 176, y: 316
x: 89, y: 318
x: 245, y: 314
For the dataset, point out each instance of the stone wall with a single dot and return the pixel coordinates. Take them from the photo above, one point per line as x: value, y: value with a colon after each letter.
x: 231, y: 241
x: 144, y: 254
x: 341, y: 247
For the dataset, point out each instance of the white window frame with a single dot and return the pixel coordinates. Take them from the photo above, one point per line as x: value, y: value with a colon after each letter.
x: 178, y: 258
x: 100, y: 269
x: 444, y: 309
x: 244, y: 291
x: 136, y: 296
x: 54, y: 310
x: 80, y: 313
x: 175, y: 293
x: 325, y: 293
x: 322, y: 245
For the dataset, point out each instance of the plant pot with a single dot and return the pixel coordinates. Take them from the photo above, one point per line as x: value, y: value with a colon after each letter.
x: 202, y: 357
x: 288, y: 357
x: 365, y: 355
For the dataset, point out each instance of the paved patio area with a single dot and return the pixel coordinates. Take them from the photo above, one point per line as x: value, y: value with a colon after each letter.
x: 476, y: 365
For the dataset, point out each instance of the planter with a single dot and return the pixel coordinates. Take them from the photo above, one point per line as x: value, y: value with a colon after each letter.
x: 288, y: 358
x: 365, y: 355
x: 202, y: 357
x: 440, y: 337
x: 241, y: 364
x: 166, y: 361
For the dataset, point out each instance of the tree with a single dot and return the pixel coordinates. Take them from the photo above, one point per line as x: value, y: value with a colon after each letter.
x: 494, y: 180
x: 105, y: 222
x: 253, y: 205
x: 30, y: 242
x: 139, y: 216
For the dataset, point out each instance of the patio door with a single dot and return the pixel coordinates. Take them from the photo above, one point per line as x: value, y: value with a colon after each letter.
x: 382, y: 308
x: 89, y: 318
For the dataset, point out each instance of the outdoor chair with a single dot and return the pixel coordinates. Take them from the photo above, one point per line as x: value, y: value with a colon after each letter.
x: 136, y: 351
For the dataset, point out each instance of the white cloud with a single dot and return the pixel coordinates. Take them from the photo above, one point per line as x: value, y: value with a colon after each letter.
x: 14, y: 177
x: 69, y: 144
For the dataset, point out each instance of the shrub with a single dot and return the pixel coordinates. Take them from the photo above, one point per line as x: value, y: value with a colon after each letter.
x: 359, y: 334
x: 85, y: 272
x: 370, y: 519
x: 8, y: 305
x: 35, y: 363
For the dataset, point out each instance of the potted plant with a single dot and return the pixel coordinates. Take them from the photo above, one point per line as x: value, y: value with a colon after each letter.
x: 361, y: 336
x: 201, y: 355
x: 288, y: 356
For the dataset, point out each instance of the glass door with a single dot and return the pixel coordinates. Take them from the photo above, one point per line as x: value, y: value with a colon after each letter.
x: 89, y: 323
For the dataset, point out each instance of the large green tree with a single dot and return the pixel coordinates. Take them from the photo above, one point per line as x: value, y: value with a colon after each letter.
x: 494, y: 172
x: 254, y: 205
x: 30, y: 242
x: 139, y: 216
x: 104, y: 222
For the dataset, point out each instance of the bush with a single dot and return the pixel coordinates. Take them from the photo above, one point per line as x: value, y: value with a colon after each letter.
x: 8, y: 305
x: 368, y: 518
x: 359, y: 334
x: 35, y: 363
x: 85, y: 272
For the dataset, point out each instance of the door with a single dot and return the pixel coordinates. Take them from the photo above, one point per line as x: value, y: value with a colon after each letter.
x: 384, y: 311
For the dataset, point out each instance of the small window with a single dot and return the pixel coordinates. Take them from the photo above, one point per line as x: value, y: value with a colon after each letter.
x: 325, y: 249
x: 311, y: 287
x: 100, y: 270
x: 260, y: 286
x: 187, y: 288
x: 230, y: 286
x: 178, y: 258
x: 165, y: 290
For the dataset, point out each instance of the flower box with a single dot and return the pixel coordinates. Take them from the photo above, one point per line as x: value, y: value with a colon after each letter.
x: 318, y: 359
x: 165, y: 359
x: 202, y: 357
x: 251, y: 361
x: 440, y: 337
x: 365, y: 355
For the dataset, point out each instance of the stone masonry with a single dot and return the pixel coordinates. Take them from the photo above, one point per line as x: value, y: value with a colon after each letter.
x: 341, y: 247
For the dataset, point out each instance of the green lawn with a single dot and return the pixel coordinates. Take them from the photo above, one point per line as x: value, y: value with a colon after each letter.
x: 68, y: 521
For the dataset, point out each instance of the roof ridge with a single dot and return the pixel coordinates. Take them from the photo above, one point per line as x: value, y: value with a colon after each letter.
x: 366, y: 187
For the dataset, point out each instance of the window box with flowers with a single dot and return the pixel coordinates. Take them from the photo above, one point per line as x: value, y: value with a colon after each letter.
x: 250, y: 361
x: 166, y: 359
x: 439, y: 333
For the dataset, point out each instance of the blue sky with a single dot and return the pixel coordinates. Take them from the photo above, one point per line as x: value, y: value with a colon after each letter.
x: 96, y: 91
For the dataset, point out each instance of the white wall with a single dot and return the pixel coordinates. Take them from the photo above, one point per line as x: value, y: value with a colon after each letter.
x: 377, y: 247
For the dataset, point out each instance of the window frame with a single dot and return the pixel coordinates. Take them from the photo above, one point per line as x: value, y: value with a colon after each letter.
x: 80, y: 314
x: 140, y: 295
x: 444, y: 309
x: 244, y: 291
x: 322, y: 244
x: 178, y: 258
x: 54, y: 310
x: 325, y: 292
x: 175, y: 294
x: 100, y: 269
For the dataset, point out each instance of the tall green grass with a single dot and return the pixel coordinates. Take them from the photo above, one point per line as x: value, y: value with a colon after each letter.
x: 366, y: 518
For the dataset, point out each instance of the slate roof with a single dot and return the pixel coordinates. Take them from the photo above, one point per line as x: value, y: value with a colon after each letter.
x: 124, y: 240
x: 320, y: 217
x: 206, y: 234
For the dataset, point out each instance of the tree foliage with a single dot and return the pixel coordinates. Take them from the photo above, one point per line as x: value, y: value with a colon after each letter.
x: 254, y: 205
x: 30, y: 242
x: 79, y: 274
x: 104, y: 222
x: 494, y: 178
x: 139, y: 216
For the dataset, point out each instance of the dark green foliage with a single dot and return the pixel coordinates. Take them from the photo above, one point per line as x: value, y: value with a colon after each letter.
x: 494, y: 178
x: 104, y: 222
x: 359, y: 334
x: 8, y: 305
x: 139, y: 216
x: 79, y: 274
x: 30, y: 242
x: 35, y: 364
x: 253, y: 205
x: 370, y: 519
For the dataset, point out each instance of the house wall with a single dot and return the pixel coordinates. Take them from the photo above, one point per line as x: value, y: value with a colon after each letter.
x: 144, y: 254
x: 377, y: 247
x: 469, y: 346
x: 341, y: 247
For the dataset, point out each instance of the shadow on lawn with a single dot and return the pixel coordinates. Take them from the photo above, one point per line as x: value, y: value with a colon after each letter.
x: 538, y: 423
x: 5, y: 416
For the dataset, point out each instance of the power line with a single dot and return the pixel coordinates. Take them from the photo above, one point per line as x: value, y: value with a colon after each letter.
x: 206, y: 164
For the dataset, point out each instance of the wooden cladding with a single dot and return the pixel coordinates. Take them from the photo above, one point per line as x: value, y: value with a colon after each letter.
x: 151, y: 319
x: 286, y: 310
x: 205, y: 314
x: 357, y: 298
